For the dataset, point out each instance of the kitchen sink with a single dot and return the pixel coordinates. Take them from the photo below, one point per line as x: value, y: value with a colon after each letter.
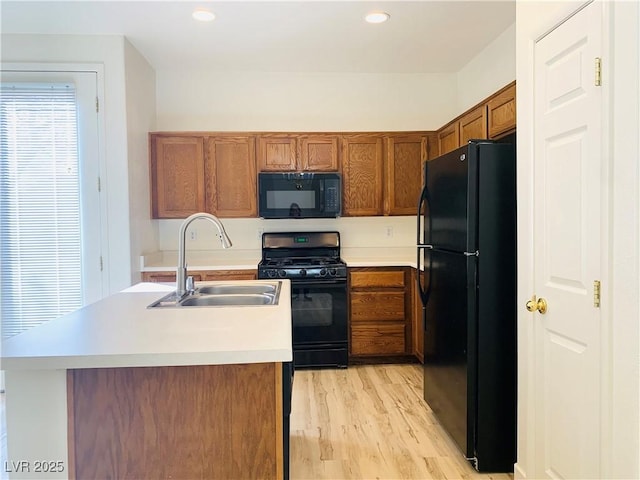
x: 256, y: 288
x: 228, y: 300
x: 224, y: 295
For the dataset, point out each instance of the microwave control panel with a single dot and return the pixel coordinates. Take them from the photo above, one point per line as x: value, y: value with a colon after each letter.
x: 332, y: 195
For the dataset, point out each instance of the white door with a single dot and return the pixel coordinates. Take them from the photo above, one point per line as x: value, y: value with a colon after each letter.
x: 567, y: 247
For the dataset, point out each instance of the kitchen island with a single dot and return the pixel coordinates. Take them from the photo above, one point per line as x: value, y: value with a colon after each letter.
x: 118, y: 390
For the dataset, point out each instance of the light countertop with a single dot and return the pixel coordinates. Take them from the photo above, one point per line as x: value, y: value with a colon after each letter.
x: 231, y: 259
x: 120, y: 331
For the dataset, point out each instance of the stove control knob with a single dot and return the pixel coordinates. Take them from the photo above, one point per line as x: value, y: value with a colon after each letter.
x: 333, y: 272
x: 282, y: 273
x: 272, y: 273
x: 323, y: 272
x: 303, y: 272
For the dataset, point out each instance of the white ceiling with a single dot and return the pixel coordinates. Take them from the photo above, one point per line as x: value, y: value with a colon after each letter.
x: 292, y: 36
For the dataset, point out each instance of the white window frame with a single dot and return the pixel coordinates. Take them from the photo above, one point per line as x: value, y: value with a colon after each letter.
x: 57, y: 70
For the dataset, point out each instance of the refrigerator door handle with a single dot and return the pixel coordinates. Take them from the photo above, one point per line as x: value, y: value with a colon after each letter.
x: 421, y: 201
x: 422, y: 290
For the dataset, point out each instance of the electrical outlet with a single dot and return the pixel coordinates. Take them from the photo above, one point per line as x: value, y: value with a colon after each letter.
x: 389, y: 231
x: 193, y: 234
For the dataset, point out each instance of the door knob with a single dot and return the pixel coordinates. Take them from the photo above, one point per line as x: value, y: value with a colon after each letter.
x: 540, y: 305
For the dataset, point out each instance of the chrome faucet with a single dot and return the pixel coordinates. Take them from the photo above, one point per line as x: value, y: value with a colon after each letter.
x: 181, y: 278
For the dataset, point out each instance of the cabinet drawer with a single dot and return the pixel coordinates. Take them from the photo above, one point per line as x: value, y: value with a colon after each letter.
x: 379, y: 306
x: 374, y: 339
x: 377, y: 279
x: 217, y: 275
x: 165, y: 277
x: 201, y: 276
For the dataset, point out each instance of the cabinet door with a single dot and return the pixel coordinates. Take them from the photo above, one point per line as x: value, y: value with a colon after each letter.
x: 449, y: 138
x: 230, y: 176
x: 405, y: 155
x: 473, y: 125
x: 319, y: 153
x: 362, y: 161
x: 418, y: 325
x: 277, y: 153
x: 502, y: 112
x: 177, y: 176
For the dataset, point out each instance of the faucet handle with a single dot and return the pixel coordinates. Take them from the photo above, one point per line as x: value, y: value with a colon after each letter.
x: 189, y: 285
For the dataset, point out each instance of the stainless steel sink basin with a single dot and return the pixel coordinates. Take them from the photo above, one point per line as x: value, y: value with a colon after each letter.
x: 228, y: 300
x: 224, y: 295
x: 237, y: 289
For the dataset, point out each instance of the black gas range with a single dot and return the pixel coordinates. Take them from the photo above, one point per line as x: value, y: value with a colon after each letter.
x: 311, y: 260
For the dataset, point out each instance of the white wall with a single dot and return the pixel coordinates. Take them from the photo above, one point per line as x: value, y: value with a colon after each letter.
x: 109, y: 51
x: 489, y: 71
x: 624, y: 291
x: 259, y: 101
x: 140, y: 83
x: 621, y: 297
x: 244, y: 232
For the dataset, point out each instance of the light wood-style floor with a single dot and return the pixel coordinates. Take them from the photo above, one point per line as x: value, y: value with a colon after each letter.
x: 370, y: 422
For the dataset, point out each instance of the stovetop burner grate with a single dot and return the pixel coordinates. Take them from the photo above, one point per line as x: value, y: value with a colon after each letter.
x: 302, y: 256
x: 301, y: 262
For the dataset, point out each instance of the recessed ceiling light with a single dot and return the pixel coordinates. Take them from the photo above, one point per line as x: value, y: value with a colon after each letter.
x: 377, y: 17
x: 203, y: 15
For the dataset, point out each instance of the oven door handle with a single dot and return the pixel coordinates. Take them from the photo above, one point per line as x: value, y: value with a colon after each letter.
x: 322, y: 283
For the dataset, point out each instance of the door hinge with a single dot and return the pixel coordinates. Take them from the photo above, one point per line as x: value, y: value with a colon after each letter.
x: 99, y: 185
x: 101, y: 264
x: 596, y: 293
x: 97, y: 105
x: 598, y: 71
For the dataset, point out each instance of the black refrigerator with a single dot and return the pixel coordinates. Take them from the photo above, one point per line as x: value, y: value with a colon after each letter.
x: 467, y: 255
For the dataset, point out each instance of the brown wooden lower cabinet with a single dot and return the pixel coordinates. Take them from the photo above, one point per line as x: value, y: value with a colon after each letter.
x: 380, y: 311
x: 201, y: 275
x: 205, y: 421
x: 418, y: 326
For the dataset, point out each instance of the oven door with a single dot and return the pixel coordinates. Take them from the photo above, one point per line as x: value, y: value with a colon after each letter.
x: 319, y: 313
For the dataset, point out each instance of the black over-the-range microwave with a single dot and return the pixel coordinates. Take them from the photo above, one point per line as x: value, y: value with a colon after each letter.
x: 299, y: 195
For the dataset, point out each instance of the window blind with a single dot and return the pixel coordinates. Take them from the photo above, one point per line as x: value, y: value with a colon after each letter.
x: 39, y: 205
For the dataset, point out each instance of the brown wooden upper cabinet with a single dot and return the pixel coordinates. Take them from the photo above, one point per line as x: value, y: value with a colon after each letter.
x: 382, y: 173
x: 362, y: 170
x: 448, y: 138
x: 405, y: 157
x: 230, y: 176
x: 303, y: 152
x: 492, y: 119
x: 197, y: 173
x: 502, y: 111
x: 177, y: 176
x: 472, y: 124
